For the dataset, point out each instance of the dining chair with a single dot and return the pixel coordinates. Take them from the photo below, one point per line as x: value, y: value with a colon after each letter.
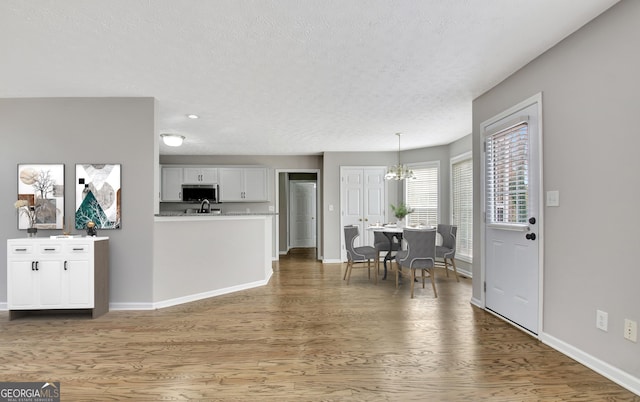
x: 420, y: 254
x: 358, y: 254
x: 447, y: 251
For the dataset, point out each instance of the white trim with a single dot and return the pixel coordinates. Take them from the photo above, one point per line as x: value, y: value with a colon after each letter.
x: 614, y: 374
x: 332, y: 260
x: 533, y: 100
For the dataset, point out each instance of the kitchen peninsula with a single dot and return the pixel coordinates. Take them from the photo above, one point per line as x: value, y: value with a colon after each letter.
x: 203, y: 255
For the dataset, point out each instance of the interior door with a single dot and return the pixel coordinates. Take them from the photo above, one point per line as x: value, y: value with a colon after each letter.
x: 363, y: 194
x: 511, y: 175
x: 302, y: 214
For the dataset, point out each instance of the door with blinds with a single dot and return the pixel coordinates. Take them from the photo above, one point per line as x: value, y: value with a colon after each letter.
x: 511, y: 188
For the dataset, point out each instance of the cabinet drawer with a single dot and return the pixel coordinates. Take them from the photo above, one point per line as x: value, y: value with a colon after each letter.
x: 50, y: 249
x: 77, y: 248
x: 20, y: 249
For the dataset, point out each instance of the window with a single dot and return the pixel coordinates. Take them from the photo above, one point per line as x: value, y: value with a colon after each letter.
x: 421, y: 194
x: 462, y: 204
x: 507, y: 159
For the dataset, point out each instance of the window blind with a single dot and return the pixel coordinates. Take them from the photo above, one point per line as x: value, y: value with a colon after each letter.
x: 507, y: 164
x: 421, y: 194
x: 462, y: 206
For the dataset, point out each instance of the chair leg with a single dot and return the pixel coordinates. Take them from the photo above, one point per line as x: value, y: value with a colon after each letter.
x: 455, y: 271
x: 375, y: 272
x: 398, y: 268
x: 349, y: 268
x: 423, y: 277
x: 413, y: 278
x: 346, y: 270
x: 433, y: 281
x: 369, y: 268
x: 446, y: 266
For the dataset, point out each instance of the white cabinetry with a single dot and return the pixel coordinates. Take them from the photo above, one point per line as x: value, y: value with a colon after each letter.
x: 171, y: 183
x: 70, y: 273
x: 200, y: 175
x: 243, y: 184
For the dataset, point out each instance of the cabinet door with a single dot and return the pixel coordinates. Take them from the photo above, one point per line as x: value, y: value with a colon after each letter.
x: 21, y: 281
x: 79, y: 284
x: 200, y: 175
x: 231, y: 184
x: 171, y: 184
x: 49, y: 283
x: 255, y: 184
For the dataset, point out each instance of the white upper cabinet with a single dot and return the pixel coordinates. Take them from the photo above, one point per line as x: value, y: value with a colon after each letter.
x: 243, y: 184
x: 200, y: 175
x: 171, y: 184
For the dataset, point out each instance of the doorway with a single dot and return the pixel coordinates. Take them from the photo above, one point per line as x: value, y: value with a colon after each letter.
x: 297, y: 231
x: 511, y: 183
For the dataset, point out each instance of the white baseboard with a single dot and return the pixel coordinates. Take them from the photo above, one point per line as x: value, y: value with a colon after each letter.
x: 4, y: 306
x: 616, y: 375
x: 332, y: 261
x: 477, y: 302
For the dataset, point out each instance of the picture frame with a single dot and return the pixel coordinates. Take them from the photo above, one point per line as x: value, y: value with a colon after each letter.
x: 42, y: 186
x: 98, y: 195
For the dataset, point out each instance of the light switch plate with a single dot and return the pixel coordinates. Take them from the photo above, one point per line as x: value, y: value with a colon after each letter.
x: 553, y: 198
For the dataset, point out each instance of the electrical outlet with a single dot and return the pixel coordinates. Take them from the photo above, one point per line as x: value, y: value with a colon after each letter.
x: 602, y: 320
x: 631, y: 330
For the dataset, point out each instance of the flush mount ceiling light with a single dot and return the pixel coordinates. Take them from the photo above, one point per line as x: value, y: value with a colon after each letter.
x: 399, y: 171
x: 193, y: 116
x: 172, y: 140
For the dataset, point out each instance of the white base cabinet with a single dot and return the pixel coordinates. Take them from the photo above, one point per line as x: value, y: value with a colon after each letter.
x: 52, y: 274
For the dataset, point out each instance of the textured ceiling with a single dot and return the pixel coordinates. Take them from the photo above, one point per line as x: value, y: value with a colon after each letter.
x: 284, y: 77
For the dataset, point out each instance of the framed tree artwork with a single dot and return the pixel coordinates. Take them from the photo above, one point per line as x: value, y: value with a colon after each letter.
x: 98, y: 196
x: 41, y: 192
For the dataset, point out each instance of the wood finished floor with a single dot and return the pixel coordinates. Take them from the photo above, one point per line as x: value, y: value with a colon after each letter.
x: 306, y: 336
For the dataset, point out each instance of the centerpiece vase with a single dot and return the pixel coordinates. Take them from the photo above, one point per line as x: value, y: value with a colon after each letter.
x: 400, y: 223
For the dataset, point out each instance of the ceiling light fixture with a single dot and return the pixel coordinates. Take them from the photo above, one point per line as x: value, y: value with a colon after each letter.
x: 193, y: 116
x: 399, y: 171
x: 172, y: 140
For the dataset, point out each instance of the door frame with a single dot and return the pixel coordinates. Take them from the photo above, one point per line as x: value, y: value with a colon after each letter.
x: 318, y: 173
x: 537, y: 100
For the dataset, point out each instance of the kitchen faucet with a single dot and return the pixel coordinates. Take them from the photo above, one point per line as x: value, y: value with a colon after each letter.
x: 205, y: 201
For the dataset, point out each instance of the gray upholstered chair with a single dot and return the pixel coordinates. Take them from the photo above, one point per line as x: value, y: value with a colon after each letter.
x: 358, y: 254
x: 446, y: 253
x: 420, y: 254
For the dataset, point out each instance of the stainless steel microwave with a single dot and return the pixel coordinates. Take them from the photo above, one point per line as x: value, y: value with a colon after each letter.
x: 200, y: 192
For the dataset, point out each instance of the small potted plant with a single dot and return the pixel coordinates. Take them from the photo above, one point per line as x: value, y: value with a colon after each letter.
x: 400, y: 212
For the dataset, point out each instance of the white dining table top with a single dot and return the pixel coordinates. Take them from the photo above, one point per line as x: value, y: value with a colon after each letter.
x: 396, y: 229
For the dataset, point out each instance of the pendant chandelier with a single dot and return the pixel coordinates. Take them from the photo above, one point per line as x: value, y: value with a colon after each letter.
x: 399, y: 171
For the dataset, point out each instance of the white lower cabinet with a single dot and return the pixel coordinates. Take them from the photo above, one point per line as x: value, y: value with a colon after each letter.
x: 71, y: 273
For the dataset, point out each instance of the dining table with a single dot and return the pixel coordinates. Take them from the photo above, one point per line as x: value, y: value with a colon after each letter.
x: 393, y: 231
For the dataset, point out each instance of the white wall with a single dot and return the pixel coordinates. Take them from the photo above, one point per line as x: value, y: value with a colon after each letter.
x: 591, y: 98
x: 87, y: 130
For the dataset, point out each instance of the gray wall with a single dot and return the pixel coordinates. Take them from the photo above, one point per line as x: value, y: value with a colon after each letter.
x: 87, y: 130
x: 591, y: 99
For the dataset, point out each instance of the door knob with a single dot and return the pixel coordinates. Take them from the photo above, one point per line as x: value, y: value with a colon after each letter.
x: 532, y: 220
x: 530, y: 236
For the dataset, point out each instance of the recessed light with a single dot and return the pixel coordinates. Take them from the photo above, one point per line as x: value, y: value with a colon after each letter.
x: 193, y: 116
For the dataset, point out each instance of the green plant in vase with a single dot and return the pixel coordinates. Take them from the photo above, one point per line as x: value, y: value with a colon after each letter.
x: 401, y: 211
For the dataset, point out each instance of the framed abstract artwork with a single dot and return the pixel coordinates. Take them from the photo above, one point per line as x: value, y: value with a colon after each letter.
x: 41, y: 196
x: 98, y: 195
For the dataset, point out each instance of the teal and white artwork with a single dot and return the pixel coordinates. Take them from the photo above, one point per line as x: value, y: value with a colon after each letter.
x: 98, y: 196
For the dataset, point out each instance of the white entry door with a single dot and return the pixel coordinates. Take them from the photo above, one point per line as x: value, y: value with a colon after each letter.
x: 511, y: 188
x: 302, y: 214
x: 363, y: 194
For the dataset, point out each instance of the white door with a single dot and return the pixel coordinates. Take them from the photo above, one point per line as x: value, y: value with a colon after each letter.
x: 302, y: 214
x: 511, y: 188
x: 363, y: 193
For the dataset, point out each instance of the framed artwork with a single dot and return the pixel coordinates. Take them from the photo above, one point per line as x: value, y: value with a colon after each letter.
x: 42, y: 187
x: 98, y: 195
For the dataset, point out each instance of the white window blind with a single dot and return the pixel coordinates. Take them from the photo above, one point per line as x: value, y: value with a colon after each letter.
x: 462, y: 205
x: 507, y: 161
x: 421, y: 194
